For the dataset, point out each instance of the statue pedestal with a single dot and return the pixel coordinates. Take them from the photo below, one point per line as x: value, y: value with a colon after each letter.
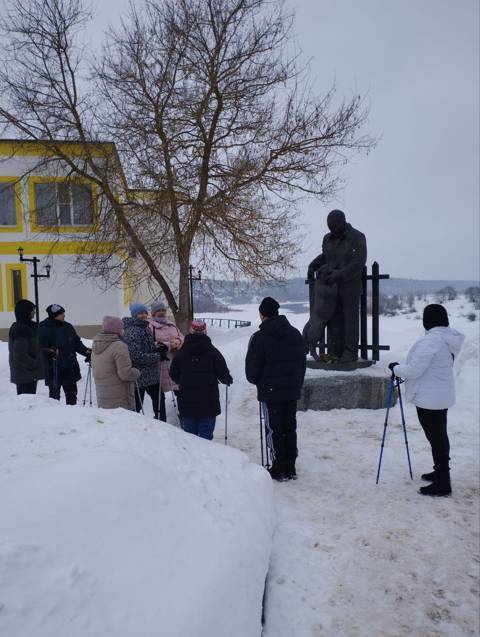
x: 339, y: 367
x: 361, y: 389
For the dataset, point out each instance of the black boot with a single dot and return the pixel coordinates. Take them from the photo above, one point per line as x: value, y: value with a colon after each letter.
x: 441, y: 486
x: 430, y: 477
x: 290, y: 471
x: 277, y: 472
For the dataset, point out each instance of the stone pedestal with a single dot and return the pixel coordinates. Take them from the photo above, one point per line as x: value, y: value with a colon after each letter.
x: 344, y: 391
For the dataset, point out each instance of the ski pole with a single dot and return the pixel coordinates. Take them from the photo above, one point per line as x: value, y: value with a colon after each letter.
x: 404, y: 427
x: 261, y: 431
x: 86, y: 389
x: 389, y: 401
x: 90, y: 380
x: 174, y: 402
x: 55, y: 378
x: 226, y: 414
x: 137, y: 389
x: 267, y: 433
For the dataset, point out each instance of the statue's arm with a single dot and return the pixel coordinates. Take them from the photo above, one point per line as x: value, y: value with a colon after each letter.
x: 358, y: 259
x: 315, y: 265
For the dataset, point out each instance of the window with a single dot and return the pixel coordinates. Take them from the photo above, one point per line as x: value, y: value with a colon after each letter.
x: 63, y: 204
x: 16, y: 279
x: 16, y: 283
x: 8, y: 207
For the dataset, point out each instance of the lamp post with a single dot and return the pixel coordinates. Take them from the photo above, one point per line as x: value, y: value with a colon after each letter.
x: 191, y: 279
x: 35, y: 276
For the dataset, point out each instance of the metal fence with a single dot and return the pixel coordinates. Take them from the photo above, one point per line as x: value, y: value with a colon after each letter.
x: 224, y: 322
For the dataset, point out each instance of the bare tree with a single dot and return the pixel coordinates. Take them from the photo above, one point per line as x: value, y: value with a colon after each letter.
x: 217, y: 131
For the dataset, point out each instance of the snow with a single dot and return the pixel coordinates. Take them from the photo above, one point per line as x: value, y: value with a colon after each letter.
x: 130, y: 527
x: 115, y: 525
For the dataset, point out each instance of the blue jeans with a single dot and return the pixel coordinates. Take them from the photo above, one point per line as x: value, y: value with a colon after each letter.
x: 202, y: 427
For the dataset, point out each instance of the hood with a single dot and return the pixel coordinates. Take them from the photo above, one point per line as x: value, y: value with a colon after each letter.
x: 277, y: 327
x: 156, y: 323
x: 196, y: 344
x: 23, y: 311
x: 452, y: 338
x: 102, y: 342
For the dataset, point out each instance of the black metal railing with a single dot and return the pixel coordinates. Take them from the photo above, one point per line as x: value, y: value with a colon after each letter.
x: 375, y: 347
x: 225, y: 322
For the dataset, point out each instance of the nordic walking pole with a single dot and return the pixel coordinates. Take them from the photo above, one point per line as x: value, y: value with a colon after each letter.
x: 90, y: 379
x: 174, y: 402
x: 404, y: 426
x: 261, y: 430
x: 226, y: 414
x: 137, y: 389
x: 389, y: 401
x: 267, y: 429
x: 86, y: 389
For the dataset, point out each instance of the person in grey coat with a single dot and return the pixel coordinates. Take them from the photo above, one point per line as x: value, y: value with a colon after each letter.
x: 145, y: 355
x: 24, y: 354
x: 112, y: 368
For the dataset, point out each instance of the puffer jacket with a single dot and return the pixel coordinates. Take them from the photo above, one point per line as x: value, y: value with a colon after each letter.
x: 276, y: 361
x: 143, y: 353
x: 198, y: 367
x: 164, y: 333
x: 61, y: 337
x: 113, y: 372
x: 24, y: 354
x: 428, y: 370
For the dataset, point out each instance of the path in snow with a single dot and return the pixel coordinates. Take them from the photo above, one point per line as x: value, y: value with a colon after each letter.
x: 354, y: 559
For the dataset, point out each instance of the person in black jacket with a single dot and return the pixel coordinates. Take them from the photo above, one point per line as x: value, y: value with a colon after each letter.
x: 24, y: 355
x: 197, y: 368
x: 276, y: 363
x: 60, y: 344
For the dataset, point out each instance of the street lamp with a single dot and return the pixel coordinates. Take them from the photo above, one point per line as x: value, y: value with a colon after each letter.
x: 191, y: 279
x: 35, y: 276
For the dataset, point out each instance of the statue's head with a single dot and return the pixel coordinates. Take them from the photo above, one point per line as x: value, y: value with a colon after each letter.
x: 336, y: 222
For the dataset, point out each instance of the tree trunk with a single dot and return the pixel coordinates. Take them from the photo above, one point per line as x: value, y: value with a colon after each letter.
x: 182, y: 316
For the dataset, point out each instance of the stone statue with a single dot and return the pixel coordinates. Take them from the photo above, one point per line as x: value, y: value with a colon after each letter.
x: 335, y: 278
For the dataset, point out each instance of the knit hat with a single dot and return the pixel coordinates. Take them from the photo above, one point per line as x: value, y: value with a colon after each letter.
x: 435, y: 315
x: 112, y: 325
x: 136, y: 308
x: 157, y: 305
x: 198, y: 327
x: 55, y: 310
x: 268, y: 307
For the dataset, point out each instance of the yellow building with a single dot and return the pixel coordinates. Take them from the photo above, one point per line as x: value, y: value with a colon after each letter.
x: 31, y: 202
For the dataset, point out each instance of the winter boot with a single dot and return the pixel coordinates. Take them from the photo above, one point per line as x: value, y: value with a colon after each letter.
x: 430, y: 477
x: 441, y: 486
x: 290, y: 471
x: 277, y: 472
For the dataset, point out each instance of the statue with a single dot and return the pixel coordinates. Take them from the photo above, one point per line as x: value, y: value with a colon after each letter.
x: 335, y: 278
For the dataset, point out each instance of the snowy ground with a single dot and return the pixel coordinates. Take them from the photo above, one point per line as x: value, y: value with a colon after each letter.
x: 351, y: 558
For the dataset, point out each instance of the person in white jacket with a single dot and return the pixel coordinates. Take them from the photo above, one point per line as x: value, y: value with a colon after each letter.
x: 430, y: 386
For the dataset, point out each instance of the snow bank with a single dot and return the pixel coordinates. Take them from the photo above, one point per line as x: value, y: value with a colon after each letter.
x: 114, y: 524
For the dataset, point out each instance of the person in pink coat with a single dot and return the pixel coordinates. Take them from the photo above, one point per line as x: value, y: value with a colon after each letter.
x: 166, y: 332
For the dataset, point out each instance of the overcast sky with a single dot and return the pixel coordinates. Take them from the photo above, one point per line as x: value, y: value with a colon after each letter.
x: 416, y: 196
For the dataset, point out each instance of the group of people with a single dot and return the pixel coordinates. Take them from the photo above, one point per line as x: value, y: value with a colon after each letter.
x: 147, y: 354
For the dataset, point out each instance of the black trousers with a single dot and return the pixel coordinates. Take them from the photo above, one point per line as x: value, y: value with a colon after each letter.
x: 69, y: 389
x: 154, y: 392
x: 27, y: 388
x: 281, y: 430
x: 434, y: 424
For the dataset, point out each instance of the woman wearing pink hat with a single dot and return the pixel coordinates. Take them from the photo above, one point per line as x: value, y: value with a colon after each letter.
x: 112, y: 367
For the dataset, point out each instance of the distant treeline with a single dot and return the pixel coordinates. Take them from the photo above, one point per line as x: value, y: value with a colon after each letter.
x: 217, y: 296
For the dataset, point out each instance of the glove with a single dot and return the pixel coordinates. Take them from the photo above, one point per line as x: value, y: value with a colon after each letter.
x: 162, y: 349
x: 88, y: 356
x: 391, y: 366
